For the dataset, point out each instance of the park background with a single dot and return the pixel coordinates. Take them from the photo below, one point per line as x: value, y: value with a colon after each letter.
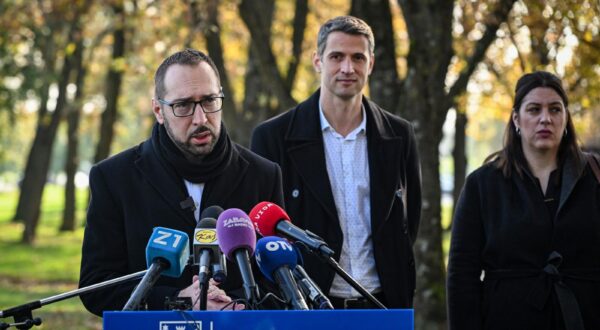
x: 76, y: 82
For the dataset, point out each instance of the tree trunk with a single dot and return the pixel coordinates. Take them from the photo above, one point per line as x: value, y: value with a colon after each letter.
x: 423, y: 96
x: 426, y: 103
x: 205, y: 16
x: 252, y: 14
x: 459, y: 153
x: 383, y: 82
x: 38, y: 161
x: 257, y: 95
x: 113, y: 85
x: 72, y: 158
x: 299, y: 25
x: 48, y: 50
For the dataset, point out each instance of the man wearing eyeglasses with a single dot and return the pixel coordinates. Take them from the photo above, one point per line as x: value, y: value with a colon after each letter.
x: 188, y: 164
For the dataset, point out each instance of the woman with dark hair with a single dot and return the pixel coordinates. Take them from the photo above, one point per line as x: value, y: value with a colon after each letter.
x: 525, y: 249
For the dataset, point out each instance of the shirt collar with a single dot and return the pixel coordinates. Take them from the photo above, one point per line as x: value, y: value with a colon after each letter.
x: 362, y: 127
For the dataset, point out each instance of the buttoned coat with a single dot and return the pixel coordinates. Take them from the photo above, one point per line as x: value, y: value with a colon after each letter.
x: 502, y: 227
x: 132, y: 192
x: 294, y: 140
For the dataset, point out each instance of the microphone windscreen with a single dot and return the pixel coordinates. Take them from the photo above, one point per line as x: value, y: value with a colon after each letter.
x: 205, y: 237
x: 170, y: 245
x: 265, y: 216
x: 211, y: 212
x: 273, y: 252
x: 300, y: 259
x: 235, y: 231
x: 207, y: 223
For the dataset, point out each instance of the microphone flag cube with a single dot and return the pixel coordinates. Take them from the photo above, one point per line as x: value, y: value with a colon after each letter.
x: 170, y: 245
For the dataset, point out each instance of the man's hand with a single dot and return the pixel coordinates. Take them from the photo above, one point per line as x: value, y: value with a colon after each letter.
x: 217, y: 299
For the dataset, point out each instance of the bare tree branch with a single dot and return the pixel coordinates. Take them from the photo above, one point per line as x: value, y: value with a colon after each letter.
x: 496, y: 18
x: 298, y: 36
x: 251, y: 15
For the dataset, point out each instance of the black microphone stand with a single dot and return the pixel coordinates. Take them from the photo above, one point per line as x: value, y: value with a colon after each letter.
x: 204, y: 275
x: 23, y: 314
x: 251, y: 292
x: 340, y: 271
x: 324, y: 253
x: 151, y: 276
x: 203, y: 294
x: 22, y: 325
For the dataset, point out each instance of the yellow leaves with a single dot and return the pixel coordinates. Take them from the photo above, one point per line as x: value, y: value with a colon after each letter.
x: 119, y: 64
x: 588, y: 36
x: 70, y: 49
x: 585, y: 102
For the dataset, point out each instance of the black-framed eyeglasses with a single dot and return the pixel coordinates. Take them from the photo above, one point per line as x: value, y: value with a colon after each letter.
x: 187, y: 108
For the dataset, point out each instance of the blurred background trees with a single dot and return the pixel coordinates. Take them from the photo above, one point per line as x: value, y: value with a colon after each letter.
x: 76, y: 82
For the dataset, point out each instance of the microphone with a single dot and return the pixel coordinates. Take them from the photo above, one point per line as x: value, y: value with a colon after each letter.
x: 211, y: 212
x: 309, y: 288
x: 218, y: 265
x: 206, y: 247
x: 237, y: 240
x: 276, y: 258
x: 270, y: 219
x: 167, y: 253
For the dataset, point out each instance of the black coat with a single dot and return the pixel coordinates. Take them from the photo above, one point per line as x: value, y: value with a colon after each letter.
x: 294, y: 140
x: 131, y: 193
x: 503, y: 227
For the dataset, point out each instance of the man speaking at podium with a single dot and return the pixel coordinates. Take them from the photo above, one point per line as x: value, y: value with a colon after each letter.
x: 188, y: 164
x: 350, y: 173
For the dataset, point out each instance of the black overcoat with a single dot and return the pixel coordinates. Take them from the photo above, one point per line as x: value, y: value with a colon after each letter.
x: 502, y: 227
x: 294, y: 140
x: 132, y: 192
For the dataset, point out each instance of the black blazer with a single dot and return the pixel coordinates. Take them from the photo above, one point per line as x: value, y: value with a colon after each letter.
x: 294, y: 140
x: 131, y: 193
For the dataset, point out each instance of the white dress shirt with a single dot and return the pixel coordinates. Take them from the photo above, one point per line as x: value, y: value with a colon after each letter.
x: 195, y: 190
x: 348, y: 170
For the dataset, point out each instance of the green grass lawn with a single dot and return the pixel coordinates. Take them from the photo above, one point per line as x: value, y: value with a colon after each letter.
x: 48, y: 268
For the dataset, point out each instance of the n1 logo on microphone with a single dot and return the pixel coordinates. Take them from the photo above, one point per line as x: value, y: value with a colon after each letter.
x: 273, y: 252
x: 167, y: 238
x: 277, y: 245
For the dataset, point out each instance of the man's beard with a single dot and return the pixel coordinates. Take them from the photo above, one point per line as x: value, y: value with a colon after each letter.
x: 190, y: 151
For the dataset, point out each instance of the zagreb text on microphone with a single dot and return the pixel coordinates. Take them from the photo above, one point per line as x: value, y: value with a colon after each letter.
x: 237, y: 240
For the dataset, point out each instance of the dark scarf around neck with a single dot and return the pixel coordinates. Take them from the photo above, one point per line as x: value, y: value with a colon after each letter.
x: 204, y: 170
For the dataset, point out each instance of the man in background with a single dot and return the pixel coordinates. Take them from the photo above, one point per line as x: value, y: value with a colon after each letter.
x: 350, y: 173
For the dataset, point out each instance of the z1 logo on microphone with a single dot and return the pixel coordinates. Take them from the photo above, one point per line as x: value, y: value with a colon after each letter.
x: 164, y: 238
x: 279, y: 244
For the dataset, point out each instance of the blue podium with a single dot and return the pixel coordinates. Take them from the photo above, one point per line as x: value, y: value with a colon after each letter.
x: 396, y: 319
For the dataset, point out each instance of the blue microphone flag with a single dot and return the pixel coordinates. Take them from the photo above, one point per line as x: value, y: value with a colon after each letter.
x: 273, y: 252
x: 171, y: 245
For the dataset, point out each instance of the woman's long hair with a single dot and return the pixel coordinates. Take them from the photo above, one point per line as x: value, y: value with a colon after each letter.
x: 511, y: 158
